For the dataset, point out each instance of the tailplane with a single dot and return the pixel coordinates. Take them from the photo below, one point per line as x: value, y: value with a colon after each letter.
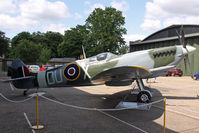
x: 21, y: 78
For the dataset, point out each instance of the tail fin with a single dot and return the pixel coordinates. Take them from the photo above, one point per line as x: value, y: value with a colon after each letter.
x: 18, y: 69
x: 20, y: 75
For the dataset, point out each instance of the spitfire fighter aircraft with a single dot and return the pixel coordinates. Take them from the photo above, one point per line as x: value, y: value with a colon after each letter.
x: 105, y: 68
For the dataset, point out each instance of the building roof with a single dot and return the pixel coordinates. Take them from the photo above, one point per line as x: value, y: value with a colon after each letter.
x: 62, y: 60
x: 169, y: 33
x: 165, y: 39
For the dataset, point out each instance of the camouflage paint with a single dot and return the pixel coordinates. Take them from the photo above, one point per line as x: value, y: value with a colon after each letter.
x: 94, y: 69
x: 138, y: 58
x: 163, y: 56
x: 41, y: 79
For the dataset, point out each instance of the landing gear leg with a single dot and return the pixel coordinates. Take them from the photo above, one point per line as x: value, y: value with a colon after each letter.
x: 144, y: 96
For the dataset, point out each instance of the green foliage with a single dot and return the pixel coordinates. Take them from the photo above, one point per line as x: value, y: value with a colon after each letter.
x: 38, y: 37
x: 52, y: 41
x: 123, y: 49
x: 4, y: 43
x: 27, y: 51
x: 73, y: 41
x: 21, y: 36
x: 105, y: 30
x: 49, y: 40
x: 45, y: 55
x: 102, y: 33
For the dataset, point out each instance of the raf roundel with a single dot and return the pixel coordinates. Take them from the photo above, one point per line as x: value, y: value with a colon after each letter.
x: 71, y: 71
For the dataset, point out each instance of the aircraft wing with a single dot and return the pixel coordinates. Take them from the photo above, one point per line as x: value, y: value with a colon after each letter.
x: 122, y: 74
x: 160, y: 70
x: 20, y: 78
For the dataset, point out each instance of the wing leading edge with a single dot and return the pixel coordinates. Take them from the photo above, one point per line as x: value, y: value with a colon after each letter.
x: 160, y: 71
x: 127, y: 73
x: 122, y: 74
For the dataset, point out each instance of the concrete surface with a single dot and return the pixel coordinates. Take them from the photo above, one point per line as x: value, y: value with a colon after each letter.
x: 182, y: 113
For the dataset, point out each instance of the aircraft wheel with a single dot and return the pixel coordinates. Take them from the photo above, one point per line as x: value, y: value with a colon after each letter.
x: 144, y: 97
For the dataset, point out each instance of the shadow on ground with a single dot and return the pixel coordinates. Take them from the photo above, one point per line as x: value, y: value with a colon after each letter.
x: 59, y: 118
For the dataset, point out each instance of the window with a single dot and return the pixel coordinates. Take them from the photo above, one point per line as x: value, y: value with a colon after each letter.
x: 92, y: 59
x: 110, y: 55
x: 101, y: 56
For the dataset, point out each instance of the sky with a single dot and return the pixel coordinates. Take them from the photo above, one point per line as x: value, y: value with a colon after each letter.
x: 142, y: 17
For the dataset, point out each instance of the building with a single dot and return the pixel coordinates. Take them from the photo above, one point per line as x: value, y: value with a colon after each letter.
x: 60, y: 61
x: 168, y: 37
x: 4, y: 63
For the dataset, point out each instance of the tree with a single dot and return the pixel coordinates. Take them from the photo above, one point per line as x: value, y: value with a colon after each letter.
x: 48, y: 41
x: 27, y: 51
x: 45, y: 55
x: 105, y: 30
x: 123, y: 49
x: 4, y: 44
x: 52, y: 41
x: 73, y: 41
x: 21, y: 36
x: 38, y: 37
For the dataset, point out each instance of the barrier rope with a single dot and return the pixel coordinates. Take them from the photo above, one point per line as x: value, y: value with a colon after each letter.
x: 15, y: 101
x: 78, y: 107
x: 96, y: 109
x: 124, y: 122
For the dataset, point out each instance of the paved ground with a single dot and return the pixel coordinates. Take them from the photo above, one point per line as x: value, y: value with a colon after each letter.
x: 182, y: 109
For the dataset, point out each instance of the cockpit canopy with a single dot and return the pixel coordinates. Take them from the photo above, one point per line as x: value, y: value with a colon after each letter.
x: 102, y: 56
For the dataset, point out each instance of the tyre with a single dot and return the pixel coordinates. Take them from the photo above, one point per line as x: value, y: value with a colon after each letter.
x: 144, y: 97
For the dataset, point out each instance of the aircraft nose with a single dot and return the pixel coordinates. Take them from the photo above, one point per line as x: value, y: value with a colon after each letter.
x: 188, y: 50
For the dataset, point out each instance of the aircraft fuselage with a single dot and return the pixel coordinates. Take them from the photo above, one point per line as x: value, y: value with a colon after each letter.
x: 81, y: 72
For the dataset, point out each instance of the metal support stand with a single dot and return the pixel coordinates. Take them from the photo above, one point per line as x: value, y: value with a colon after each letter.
x: 133, y: 105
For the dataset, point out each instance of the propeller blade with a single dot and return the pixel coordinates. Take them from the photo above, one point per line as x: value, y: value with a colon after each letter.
x: 190, y: 68
x: 179, y: 38
x: 182, y: 37
x: 185, y: 65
